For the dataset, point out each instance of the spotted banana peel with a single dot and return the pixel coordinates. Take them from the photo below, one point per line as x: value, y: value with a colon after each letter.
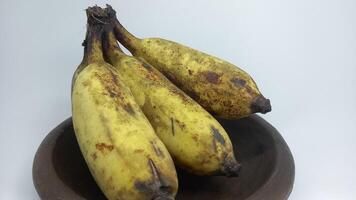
x: 195, y: 140
x: 219, y: 86
x: 125, y: 157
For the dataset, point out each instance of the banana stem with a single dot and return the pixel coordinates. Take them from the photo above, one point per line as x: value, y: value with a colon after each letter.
x: 93, y: 50
x: 92, y: 46
x: 112, y: 50
x: 125, y: 37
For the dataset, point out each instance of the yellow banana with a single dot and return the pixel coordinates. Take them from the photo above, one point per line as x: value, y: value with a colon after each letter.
x: 125, y: 157
x: 219, y: 86
x: 195, y: 140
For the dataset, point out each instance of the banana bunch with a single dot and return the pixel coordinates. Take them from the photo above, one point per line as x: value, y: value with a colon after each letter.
x: 134, y: 115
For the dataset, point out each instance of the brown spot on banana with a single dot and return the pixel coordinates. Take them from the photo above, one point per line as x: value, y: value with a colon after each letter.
x: 238, y: 82
x: 205, y: 162
x: 139, y: 151
x: 195, y: 137
x: 102, y: 147
x: 129, y: 109
x: 211, y: 77
x: 110, y: 83
x: 108, y: 133
x: 181, y: 124
x: 112, y: 93
x: 94, y: 156
x: 113, y: 77
x: 86, y: 83
x: 112, y: 88
x: 151, y: 76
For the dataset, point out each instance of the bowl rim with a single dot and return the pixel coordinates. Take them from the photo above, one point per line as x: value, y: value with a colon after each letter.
x: 283, y: 172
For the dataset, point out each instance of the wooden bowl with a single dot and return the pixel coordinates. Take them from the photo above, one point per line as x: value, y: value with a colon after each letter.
x: 60, y: 172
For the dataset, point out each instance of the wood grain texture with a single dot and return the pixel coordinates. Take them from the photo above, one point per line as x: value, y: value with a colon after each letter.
x: 60, y: 172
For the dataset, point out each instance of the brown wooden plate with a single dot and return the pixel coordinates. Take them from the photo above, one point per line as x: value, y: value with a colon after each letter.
x: 60, y: 172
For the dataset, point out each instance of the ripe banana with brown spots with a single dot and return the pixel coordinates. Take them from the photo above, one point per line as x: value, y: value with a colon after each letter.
x: 219, y: 86
x: 195, y: 140
x: 125, y: 157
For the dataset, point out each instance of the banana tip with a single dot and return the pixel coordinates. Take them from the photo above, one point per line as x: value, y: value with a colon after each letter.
x: 230, y: 168
x: 233, y: 170
x: 261, y: 105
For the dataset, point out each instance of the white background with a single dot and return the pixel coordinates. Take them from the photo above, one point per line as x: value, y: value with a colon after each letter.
x: 302, y: 53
